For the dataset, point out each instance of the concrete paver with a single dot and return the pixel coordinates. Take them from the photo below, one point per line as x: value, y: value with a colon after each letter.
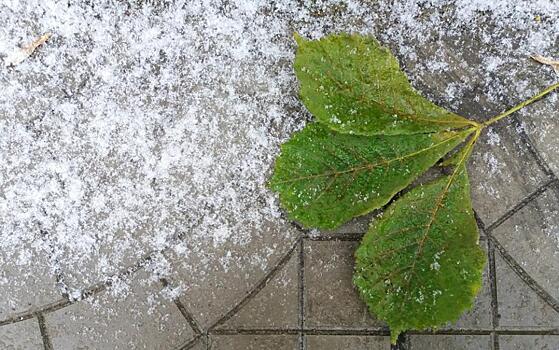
x: 540, y: 342
x: 141, y: 320
x: 333, y: 342
x: 331, y: 301
x: 23, y: 335
x: 519, y: 305
x: 446, y: 342
x: 530, y: 237
x: 253, y: 342
x: 276, y: 306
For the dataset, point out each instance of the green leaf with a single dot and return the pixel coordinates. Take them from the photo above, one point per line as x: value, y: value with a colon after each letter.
x: 420, y: 265
x: 325, y: 178
x: 354, y: 85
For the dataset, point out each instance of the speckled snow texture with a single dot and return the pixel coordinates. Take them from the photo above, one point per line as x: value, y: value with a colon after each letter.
x: 134, y: 123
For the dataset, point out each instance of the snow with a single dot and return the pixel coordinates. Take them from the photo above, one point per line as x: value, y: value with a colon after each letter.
x: 134, y: 123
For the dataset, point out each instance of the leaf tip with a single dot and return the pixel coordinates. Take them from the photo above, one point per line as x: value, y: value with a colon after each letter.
x: 298, y: 39
x: 394, y: 334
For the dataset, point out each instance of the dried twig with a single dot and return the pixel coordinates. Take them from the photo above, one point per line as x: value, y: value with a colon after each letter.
x: 20, y: 54
x: 548, y: 61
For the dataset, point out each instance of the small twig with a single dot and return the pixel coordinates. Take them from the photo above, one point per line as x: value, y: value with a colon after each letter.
x: 20, y: 54
x: 547, y: 61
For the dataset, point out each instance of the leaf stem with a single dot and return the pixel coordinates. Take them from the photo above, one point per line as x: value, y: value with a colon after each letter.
x: 521, y: 105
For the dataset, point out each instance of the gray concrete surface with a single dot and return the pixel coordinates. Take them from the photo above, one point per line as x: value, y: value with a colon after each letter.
x: 282, y: 287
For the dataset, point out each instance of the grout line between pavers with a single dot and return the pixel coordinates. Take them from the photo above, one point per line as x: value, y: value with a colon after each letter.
x: 57, y: 305
x: 383, y: 331
x: 492, y: 282
x: 349, y: 236
x: 301, y: 290
x: 492, y: 242
x: 494, y: 295
x: 191, y: 343
x: 184, y: 311
x: 188, y: 316
x: 495, y: 341
x: 47, y: 344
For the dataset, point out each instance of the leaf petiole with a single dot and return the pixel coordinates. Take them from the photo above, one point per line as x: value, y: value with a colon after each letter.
x: 521, y: 105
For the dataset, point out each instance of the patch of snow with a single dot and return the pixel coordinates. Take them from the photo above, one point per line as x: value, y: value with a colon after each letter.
x: 493, y: 138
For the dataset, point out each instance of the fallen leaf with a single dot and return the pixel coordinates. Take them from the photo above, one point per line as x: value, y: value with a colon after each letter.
x: 421, y: 265
x: 21, y: 53
x: 548, y: 61
x: 354, y: 85
x: 325, y: 178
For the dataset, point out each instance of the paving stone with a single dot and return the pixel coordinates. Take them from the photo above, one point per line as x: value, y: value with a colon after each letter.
x: 541, y: 122
x: 81, y: 271
x: 142, y: 319
x: 531, y: 237
x: 502, y: 173
x: 254, y: 342
x: 449, y: 342
x: 230, y: 271
x: 536, y: 342
x: 331, y: 301
x: 519, y: 305
x: 26, y: 282
x: 337, y: 342
x: 276, y: 306
x: 24, y: 335
x: 480, y: 316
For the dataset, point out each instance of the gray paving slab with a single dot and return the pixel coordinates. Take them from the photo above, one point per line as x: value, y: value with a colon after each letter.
x: 276, y: 306
x: 138, y: 318
x: 502, y: 173
x: 540, y: 342
x: 27, y: 281
x: 336, y: 342
x: 253, y: 342
x: 448, y: 342
x: 519, y: 305
x: 530, y: 237
x: 541, y: 123
x: 331, y: 300
x: 23, y: 335
x: 229, y: 273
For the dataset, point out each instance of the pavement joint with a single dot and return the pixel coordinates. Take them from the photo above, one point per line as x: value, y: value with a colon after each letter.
x: 47, y: 343
x: 301, y: 290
